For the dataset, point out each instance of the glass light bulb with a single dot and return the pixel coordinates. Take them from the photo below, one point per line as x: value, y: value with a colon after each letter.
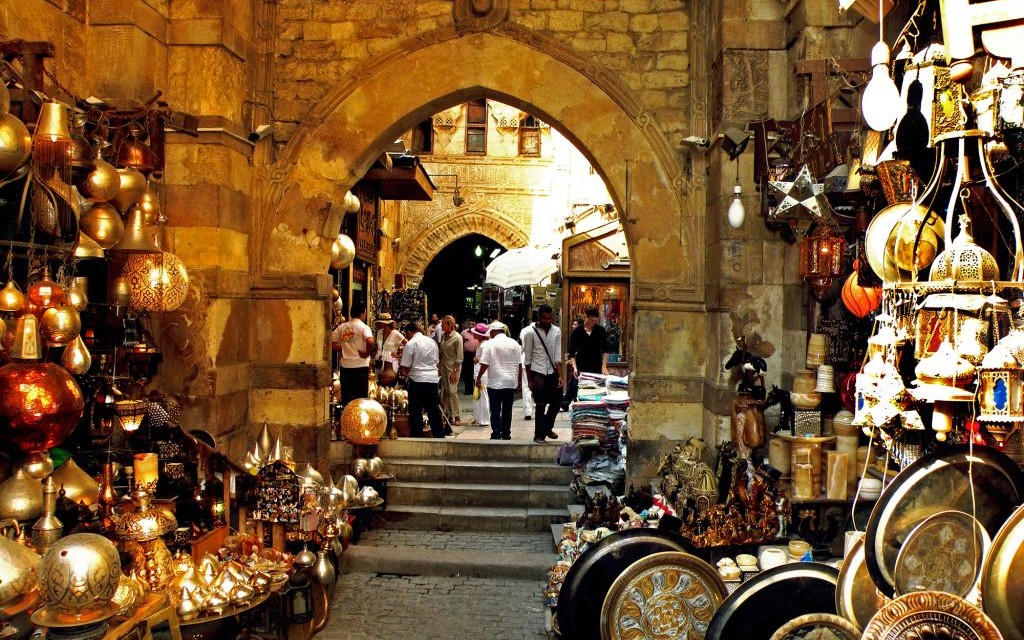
x: 881, y: 103
x: 736, y: 213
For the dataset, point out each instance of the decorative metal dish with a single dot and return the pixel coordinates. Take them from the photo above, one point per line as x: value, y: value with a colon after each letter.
x: 933, y: 615
x: 1001, y: 584
x: 943, y: 553
x: 857, y: 599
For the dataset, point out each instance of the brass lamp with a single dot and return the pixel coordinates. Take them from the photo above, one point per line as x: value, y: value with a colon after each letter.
x: 130, y: 413
x: 363, y: 421
x: 146, y: 526
x: 156, y: 281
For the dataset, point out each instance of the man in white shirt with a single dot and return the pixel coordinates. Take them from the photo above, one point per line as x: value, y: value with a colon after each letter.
x: 354, y: 341
x: 388, y: 340
x: 419, y: 366
x: 500, y: 361
x: 542, y: 357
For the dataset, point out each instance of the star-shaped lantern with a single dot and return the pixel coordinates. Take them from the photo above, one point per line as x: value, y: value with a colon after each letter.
x: 798, y: 197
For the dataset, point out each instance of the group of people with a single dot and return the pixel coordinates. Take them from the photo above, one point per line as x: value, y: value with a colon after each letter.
x: 433, y: 359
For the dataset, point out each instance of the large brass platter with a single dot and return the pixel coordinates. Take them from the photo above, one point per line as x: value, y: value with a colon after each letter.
x: 943, y: 553
x: 671, y: 594
x: 821, y: 625
x: 933, y: 615
x: 1002, y: 588
x: 938, y: 482
x: 857, y: 599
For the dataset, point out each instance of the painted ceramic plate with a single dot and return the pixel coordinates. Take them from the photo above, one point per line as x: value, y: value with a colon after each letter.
x: 857, y: 599
x: 587, y: 583
x: 665, y: 595
x: 934, y: 483
x: 943, y: 553
x: 766, y: 602
x: 1001, y: 581
x: 933, y: 615
x: 822, y: 625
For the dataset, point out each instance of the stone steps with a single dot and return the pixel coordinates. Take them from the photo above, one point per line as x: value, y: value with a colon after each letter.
x: 466, y: 494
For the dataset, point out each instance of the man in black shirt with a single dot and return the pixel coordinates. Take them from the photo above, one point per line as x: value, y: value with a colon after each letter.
x: 588, y: 352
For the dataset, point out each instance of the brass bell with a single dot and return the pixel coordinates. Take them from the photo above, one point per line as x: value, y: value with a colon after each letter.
x: 138, y: 236
x: 27, y: 344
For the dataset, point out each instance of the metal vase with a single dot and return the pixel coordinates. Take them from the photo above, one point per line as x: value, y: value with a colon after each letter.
x: 323, y: 571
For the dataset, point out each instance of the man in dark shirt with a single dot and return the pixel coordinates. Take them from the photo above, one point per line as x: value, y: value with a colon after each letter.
x: 588, y: 352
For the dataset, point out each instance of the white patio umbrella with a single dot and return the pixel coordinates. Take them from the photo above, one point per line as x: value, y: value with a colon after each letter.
x: 523, y: 266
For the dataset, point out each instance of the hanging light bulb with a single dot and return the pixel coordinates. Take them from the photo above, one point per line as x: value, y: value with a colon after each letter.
x: 881, y: 103
x: 736, y: 213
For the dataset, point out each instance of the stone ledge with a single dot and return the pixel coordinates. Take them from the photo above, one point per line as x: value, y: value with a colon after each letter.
x: 292, y: 286
x: 135, y: 13
x: 215, y: 130
x: 222, y: 283
x: 207, y: 32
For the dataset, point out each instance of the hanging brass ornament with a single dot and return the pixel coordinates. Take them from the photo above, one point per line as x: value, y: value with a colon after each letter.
x: 11, y: 298
x: 60, y: 325
x: 132, y: 186
x: 103, y: 224
x: 75, y: 295
x: 138, y: 236
x: 77, y: 359
x: 102, y: 183
x: 45, y: 293
x: 149, y: 202
x: 40, y: 404
x: 26, y: 344
x: 15, y: 144
x: 156, y: 281
x: 343, y: 252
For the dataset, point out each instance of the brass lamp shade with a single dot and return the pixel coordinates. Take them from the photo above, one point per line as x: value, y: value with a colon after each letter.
x: 60, y: 325
x: 75, y: 294
x: 149, y: 202
x: 27, y: 343
x: 11, y: 297
x: 87, y: 247
x: 15, y: 144
x: 21, y: 497
x: 156, y: 281
x: 53, y: 124
x: 103, y: 224
x: 138, y: 236
x: 135, y: 154
x: 44, y: 293
x: 79, y: 487
x: 363, y: 421
x: 145, y: 523
x: 40, y: 404
x: 77, y: 576
x: 130, y: 413
x: 132, y: 185
x: 101, y: 184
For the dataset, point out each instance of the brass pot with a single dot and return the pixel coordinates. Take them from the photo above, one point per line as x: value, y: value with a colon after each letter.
x: 21, y: 497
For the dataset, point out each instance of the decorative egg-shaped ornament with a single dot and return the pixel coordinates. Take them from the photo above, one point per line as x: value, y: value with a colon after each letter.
x: 60, y: 325
x: 343, y: 252
x: 103, y: 224
x: 860, y: 301
x: 40, y: 404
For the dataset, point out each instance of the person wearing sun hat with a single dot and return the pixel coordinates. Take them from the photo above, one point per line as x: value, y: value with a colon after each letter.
x: 388, y: 340
x: 481, y: 403
x: 500, y: 361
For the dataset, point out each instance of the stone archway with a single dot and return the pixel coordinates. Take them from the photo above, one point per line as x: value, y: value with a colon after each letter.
x: 341, y: 137
x: 426, y: 245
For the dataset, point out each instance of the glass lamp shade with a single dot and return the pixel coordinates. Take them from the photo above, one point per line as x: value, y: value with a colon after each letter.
x: 60, y: 325
x: 821, y: 254
x: 130, y: 413
x: 45, y: 293
x: 40, y: 404
x: 78, y: 574
x: 156, y: 281
x: 363, y: 421
x: 11, y: 297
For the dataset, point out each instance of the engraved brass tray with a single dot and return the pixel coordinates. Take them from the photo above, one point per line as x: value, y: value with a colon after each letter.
x: 1002, y: 588
x: 943, y: 553
x: 821, y: 625
x: 857, y: 599
x: 665, y: 595
x: 938, y: 482
x: 933, y: 615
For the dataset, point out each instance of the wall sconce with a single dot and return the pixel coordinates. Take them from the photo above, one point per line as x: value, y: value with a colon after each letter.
x: 457, y: 198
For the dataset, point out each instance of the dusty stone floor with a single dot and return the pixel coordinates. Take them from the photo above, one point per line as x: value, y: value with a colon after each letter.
x: 522, y: 429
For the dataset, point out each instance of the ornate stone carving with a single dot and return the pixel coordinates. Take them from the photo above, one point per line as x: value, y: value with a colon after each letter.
x: 479, y: 15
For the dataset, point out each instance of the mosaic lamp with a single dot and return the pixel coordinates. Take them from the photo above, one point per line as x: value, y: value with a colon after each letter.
x: 156, y: 281
x: 821, y: 257
x: 363, y: 421
x: 130, y: 413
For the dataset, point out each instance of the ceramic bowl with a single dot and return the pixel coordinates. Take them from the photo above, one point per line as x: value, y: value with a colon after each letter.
x: 773, y: 557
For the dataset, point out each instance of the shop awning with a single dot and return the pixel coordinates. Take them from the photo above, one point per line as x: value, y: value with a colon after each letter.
x: 399, y: 177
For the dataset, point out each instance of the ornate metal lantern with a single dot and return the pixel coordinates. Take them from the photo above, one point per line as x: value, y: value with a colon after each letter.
x: 821, y: 257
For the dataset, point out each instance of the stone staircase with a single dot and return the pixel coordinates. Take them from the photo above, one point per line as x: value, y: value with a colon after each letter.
x: 510, y: 492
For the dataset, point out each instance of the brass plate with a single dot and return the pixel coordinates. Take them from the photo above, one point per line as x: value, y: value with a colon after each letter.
x: 1001, y: 584
x: 938, y: 482
x: 664, y: 595
x: 943, y: 553
x: 838, y: 628
x: 857, y: 599
x: 931, y: 614
x: 47, y: 617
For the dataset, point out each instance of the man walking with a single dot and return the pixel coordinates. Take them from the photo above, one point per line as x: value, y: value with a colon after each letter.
x: 419, y: 366
x: 542, y: 347
x: 450, y: 366
x: 500, y: 361
x: 588, y: 352
x: 354, y: 341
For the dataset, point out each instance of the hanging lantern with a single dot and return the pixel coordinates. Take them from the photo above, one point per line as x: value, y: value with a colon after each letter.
x: 26, y: 343
x: 1001, y: 390
x: 132, y: 153
x: 102, y: 183
x: 821, y: 257
x: 75, y: 295
x: 132, y: 185
x: 156, y: 281
x: 45, y: 293
x: 343, y: 252
x: 103, y: 224
x: 40, y: 404
x: 11, y: 297
x: 15, y: 144
x: 860, y: 301
x: 60, y: 325
x: 87, y: 247
x: 149, y: 202
x: 77, y: 359
x: 51, y: 141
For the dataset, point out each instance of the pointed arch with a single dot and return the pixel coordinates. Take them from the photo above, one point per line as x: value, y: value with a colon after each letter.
x: 425, y: 246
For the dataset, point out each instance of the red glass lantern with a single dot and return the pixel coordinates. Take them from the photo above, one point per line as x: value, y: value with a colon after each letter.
x: 45, y: 293
x: 860, y: 301
x: 40, y: 404
x: 821, y: 257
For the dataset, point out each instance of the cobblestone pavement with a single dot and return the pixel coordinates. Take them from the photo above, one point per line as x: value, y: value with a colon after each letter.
x: 460, y: 541
x: 393, y: 607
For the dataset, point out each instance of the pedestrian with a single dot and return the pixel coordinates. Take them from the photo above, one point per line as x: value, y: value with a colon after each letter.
x: 481, y: 402
x: 419, y: 366
x: 588, y: 352
x: 450, y: 364
x: 470, y: 342
x: 500, y: 362
x: 542, y: 346
x: 354, y: 341
x: 388, y: 342
x: 524, y: 384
